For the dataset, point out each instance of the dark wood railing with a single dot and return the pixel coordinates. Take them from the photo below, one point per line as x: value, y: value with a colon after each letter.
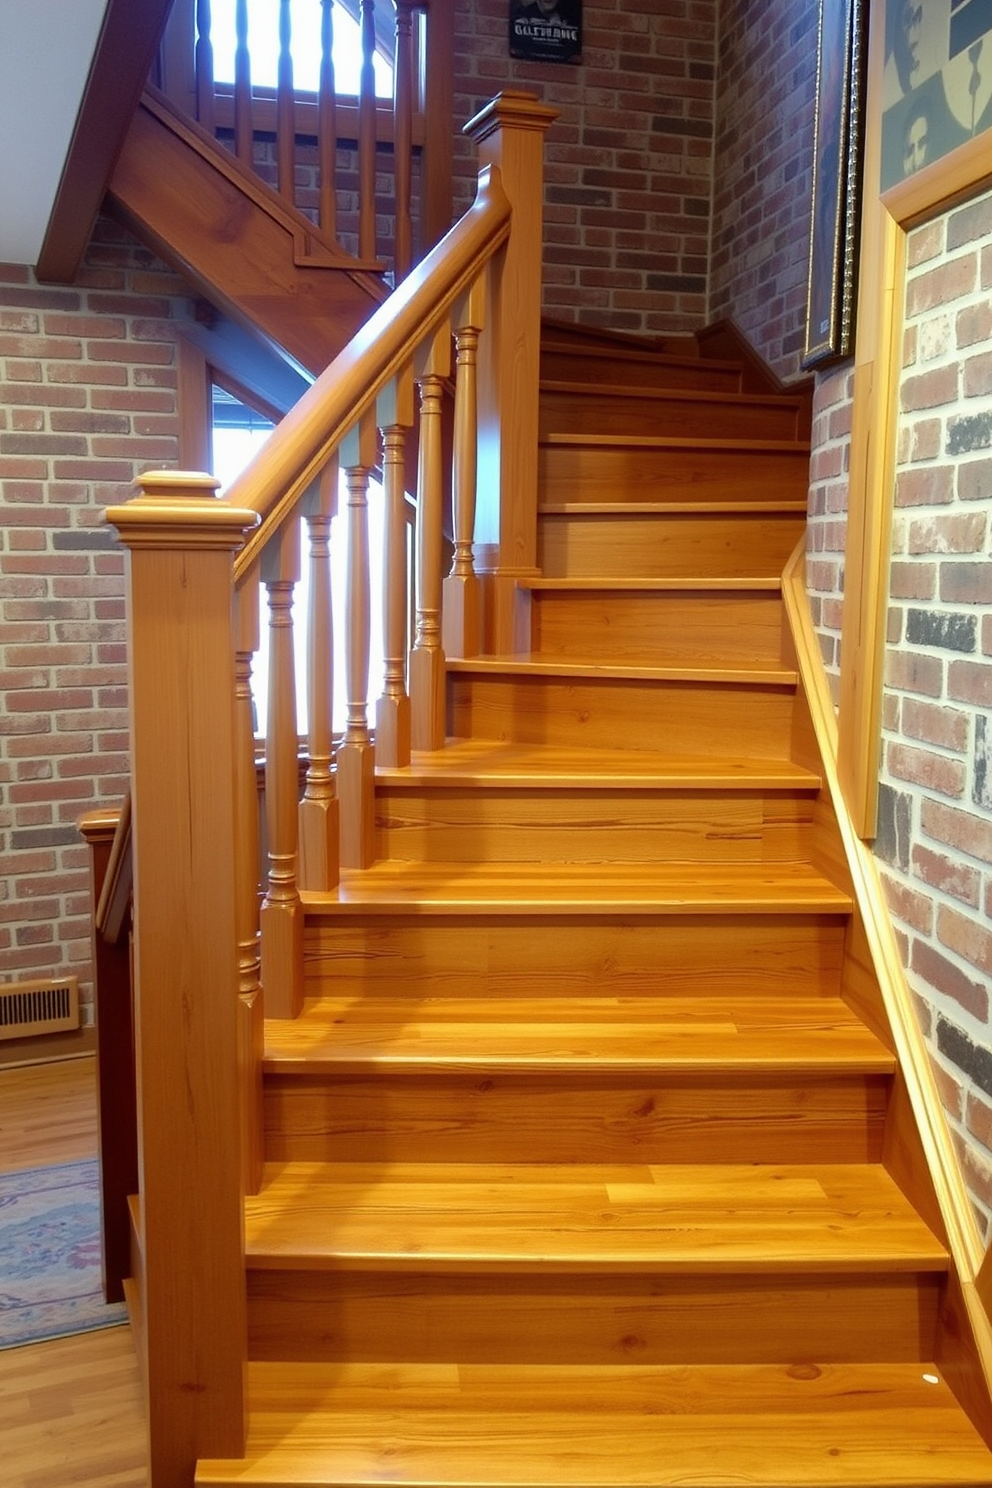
x: 345, y: 160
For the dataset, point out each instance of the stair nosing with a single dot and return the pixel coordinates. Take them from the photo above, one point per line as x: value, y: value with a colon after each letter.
x: 532, y: 665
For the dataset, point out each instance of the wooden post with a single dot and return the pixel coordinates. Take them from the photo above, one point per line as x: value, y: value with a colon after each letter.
x: 403, y: 138
x: 327, y: 124
x: 460, y: 624
x: 251, y: 1012
x: 392, y: 716
x: 282, y: 913
x: 509, y: 132
x: 286, y: 109
x: 204, y: 67
x: 244, y: 136
x: 117, y: 1118
x: 319, y: 813
x: 438, y: 109
x: 366, y: 134
x: 356, y: 755
x: 180, y: 542
x: 427, y: 710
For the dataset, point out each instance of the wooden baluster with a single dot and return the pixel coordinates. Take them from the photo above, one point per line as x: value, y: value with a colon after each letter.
x: 392, y: 717
x: 243, y: 132
x: 460, y: 630
x: 246, y: 826
x: 282, y: 914
x: 285, y: 108
x: 427, y: 702
x: 437, y: 101
x: 367, y: 135
x: 327, y: 124
x: 319, y: 815
x: 356, y: 755
x: 403, y: 137
x: 204, y: 67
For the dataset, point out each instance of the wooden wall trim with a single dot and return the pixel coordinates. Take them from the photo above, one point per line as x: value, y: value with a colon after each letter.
x: 964, y: 1343
x: 124, y: 53
x: 886, y: 220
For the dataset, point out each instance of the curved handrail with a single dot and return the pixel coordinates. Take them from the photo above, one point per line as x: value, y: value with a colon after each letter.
x: 302, y: 442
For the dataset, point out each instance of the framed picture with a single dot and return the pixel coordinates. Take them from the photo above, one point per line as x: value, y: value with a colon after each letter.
x: 546, y: 30
x: 936, y: 83
x: 836, y: 182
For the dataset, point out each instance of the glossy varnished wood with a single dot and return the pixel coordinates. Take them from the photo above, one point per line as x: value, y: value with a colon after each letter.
x: 587, y: 466
x: 600, y: 539
x: 765, y: 1426
x: 569, y: 407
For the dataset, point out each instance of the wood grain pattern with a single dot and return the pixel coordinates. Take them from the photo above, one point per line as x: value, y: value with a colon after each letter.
x: 775, y: 1425
x: 570, y: 408
x: 597, y: 542
x: 590, y: 467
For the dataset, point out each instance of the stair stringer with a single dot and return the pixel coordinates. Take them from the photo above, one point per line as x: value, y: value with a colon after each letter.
x: 918, y: 1149
x: 244, y: 247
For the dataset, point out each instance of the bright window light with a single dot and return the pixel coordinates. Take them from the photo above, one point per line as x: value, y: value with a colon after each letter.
x: 263, y: 45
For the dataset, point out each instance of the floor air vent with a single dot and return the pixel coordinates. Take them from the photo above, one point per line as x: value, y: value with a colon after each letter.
x: 28, y: 1008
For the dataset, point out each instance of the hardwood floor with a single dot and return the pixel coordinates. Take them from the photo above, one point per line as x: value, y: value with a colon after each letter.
x: 70, y: 1409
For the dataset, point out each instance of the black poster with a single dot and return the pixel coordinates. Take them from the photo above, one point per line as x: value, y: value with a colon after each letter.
x: 546, y: 30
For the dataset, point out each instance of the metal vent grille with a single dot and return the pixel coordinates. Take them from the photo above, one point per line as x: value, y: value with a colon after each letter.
x: 28, y: 1008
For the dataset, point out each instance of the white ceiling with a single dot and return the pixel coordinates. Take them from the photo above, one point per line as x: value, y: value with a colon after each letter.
x: 46, y: 47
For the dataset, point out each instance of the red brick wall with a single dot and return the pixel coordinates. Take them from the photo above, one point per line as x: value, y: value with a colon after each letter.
x: 628, y: 163
x: 87, y: 400
x: 766, y: 87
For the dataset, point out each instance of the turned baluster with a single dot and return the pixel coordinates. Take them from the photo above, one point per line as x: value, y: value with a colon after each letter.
x: 403, y: 136
x: 250, y: 1010
x: 204, y: 67
x: 392, y: 718
x: 319, y: 823
x: 281, y: 914
x: 460, y: 631
x: 243, y: 133
x: 427, y: 722
x: 366, y: 135
x: 285, y: 108
x: 327, y: 124
x: 356, y: 756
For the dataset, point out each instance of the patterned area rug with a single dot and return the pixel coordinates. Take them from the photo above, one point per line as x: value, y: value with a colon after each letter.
x: 50, y: 1282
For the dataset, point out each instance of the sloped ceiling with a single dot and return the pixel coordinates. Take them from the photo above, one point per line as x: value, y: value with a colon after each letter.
x: 46, y: 48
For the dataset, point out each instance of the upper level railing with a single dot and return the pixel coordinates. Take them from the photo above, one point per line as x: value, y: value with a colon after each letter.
x: 373, y: 172
x: 206, y: 957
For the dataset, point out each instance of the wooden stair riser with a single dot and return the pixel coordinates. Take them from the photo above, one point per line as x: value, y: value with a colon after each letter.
x: 692, y: 718
x: 679, y: 628
x: 505, y: 955
x: 485, y: 1116
x: 609, y: 1320
x: 452, y: 825
x: 584, y: 471
x: 573, y: 410
x: 627, y: 545
x: 602, y: 367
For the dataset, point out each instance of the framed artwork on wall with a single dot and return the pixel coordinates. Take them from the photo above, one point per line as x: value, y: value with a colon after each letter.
x: 546, y: 30
x: 836, y: 182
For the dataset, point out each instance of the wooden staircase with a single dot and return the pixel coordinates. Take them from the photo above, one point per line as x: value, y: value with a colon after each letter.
x: 589, y: 1160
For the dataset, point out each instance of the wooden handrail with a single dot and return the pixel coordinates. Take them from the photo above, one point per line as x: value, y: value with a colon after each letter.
x: 115, y: 891
x: 300, y: 446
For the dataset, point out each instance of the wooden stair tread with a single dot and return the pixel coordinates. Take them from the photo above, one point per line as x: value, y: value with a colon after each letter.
x: 661, y: 1426
x: 716, y: 398
x: 679, y: 442
x: 669, y: 508
x: 464, y: 762
x: 680, y: 1219
x: 680, y: 1035
x: 539, y: 666
x: 763, y: 584
x: 581, y: 889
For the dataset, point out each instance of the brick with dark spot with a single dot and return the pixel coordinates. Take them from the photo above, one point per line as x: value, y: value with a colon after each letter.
x: 894, y: 828
x: 951, y: 632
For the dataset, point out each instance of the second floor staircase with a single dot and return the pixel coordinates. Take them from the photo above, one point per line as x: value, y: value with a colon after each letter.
x: 589, y: 1159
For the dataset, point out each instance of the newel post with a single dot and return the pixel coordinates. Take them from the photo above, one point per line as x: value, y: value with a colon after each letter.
x: 509, y: 133
x: 189, y: 1243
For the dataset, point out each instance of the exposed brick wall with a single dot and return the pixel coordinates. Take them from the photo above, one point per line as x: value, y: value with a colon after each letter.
x: 935, y: 820
x: 628, y: 162
x: 87, y: 400
x: 766, y: 88
x: 826, y: 530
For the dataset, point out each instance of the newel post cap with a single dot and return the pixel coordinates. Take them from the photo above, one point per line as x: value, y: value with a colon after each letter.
x: 511, y: 109
x: 180, y: 509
